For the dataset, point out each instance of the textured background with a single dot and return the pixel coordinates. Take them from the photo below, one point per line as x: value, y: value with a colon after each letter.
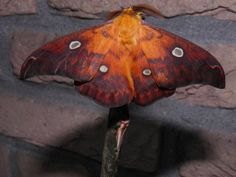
x: 47, y: 129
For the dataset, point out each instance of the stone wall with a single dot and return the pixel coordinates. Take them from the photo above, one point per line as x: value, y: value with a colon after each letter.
x: 47, y: 129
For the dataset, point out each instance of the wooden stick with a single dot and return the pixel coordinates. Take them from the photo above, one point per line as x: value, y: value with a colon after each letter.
x: 117, y: 125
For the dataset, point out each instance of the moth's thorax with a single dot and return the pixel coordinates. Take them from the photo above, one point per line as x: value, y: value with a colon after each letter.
x: 127, y: 27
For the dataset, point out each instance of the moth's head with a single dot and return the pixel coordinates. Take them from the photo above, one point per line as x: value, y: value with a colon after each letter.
x: 137, y: 11
x: 131, y: 12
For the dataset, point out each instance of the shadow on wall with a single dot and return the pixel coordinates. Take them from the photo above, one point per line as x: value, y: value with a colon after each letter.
x: 179, y: 146
x: 175, y: 146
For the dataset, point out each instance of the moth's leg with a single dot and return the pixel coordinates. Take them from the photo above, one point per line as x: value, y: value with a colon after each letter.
x: 120, y: 133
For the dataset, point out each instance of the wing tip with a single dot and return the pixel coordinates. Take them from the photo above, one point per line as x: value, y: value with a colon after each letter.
x: 217, y: 76
x: 25, y: 68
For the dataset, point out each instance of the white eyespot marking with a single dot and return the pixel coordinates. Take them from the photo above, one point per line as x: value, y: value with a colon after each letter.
x: 178, y: 52
x: 74, y: 45
x: 147, y: 72
x: 103, y: 68
x: 33, y: 58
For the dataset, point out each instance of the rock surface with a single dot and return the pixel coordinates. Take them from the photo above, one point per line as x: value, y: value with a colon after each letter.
x: 9, y: 7
x: 140, y: 152
x: 221, y: 161
x: 79, y: 127
x: 170, y: 8
x: 34, y: 165
x: 163, y: 137
x: 5, y: 161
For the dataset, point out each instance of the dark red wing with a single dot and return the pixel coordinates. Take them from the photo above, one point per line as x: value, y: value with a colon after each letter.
x: 77, y: 55
x: 176, y: 62
x: 92, y: 58
x: 146, y: 89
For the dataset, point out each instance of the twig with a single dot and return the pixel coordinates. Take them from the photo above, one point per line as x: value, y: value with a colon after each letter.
x: 117, y: 125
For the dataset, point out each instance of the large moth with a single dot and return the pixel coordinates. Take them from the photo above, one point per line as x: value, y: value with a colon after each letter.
x: 125, y: 60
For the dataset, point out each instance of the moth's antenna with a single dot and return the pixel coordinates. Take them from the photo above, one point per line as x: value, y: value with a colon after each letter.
x: 113, y: 14
x: 146, y: 9
x: 149, y: 10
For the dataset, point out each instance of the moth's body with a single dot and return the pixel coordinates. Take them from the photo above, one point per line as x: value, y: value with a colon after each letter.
x: 125, y: 60
x: 127, y: 27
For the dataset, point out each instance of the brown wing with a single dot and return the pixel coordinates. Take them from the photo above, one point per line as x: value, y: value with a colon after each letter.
x: 112, y: 85
x: 77, y: 55
x: 90, y: 57
x: 146, y: 89
x: 176, y: 62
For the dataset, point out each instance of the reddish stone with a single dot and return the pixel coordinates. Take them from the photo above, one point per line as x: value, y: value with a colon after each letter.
x: 9, y: 7
x: 45, y: 122
x: 31, y: 165
x: 221, y: 159
x: 219, y: 8
x: 79, y: 127
x: 4, y: 161
x: 139, y: 151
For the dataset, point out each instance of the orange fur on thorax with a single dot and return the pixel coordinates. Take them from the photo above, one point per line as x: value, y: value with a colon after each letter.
x: 127, y: 26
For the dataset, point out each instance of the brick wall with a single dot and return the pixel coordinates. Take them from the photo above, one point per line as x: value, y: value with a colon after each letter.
x: 47, y: 129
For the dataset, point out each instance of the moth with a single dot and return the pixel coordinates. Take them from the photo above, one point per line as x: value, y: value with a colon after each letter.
x: 124, y: 60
